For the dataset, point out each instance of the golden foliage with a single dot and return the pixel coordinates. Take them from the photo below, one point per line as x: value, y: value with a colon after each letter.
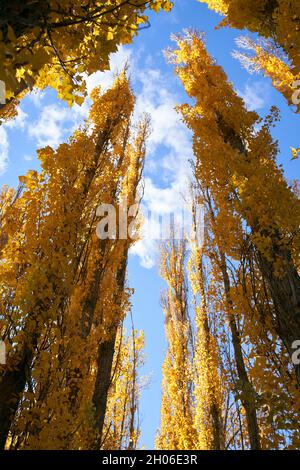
x: 63, y: 290
x: 53, y: 43
x: 273, y: 19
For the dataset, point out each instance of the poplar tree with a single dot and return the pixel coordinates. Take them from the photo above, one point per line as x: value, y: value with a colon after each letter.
x: 236, y: 159
x: 63, y: 289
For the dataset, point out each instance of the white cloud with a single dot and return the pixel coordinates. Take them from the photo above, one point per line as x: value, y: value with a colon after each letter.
x: 4, y: 146
x: 36, y: 97
x: 147, y: 251
x: 167, y: 163
x: 167, y: 166
x: 28, y: 158
x: 77, y: 114
x: 255, y: 95
x: 19, y: 122
x: 50, y: 126
x: 55, y: 121
x: 118, y: 61
x: 164, y: 200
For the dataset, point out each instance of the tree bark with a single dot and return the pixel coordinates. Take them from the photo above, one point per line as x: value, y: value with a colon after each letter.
x: 285, y: 293
x: 105, y: 361
x: 12, y: 384
x: 247, y: 391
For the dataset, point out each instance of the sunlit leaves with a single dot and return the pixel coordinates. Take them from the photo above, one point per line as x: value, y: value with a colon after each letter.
x: 61, y: 297
x: 65, y: 39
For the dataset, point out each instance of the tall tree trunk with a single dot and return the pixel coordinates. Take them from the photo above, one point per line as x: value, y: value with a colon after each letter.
x: 285, y: 292
x: 218, y: 431
x: 12, y: 384
x: 105, y: 361
x: 247, y: 392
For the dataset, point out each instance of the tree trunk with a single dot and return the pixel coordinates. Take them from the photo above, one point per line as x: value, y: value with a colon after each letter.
x: 247, y: 395
x: 285, y: 292
x: 284, y: 289
x: 12, y: 385
x: 218, y: 432
x: 105, y: 361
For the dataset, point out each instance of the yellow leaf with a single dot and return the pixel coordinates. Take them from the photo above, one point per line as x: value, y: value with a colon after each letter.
x: 295, y: 153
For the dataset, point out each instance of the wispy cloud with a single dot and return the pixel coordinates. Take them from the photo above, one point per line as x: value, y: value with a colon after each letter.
x: 167, y: 169
x: 118, y: 61
x: 167, y: 166
x: 49, y: 128
x: 19, y: 122
x: 36, y: 97
x: 169, y: 146
x: 256, y: 95
x: 57, y: 121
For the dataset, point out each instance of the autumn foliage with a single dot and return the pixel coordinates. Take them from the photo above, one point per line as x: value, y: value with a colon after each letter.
x: 65, y: 296
x: 246, y: 275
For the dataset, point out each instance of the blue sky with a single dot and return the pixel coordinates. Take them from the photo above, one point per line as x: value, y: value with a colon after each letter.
x: 45, y: 120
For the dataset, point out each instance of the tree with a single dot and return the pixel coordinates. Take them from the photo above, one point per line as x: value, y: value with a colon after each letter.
x: 192, y: 397
x: 227, y: 376
x: 265, y: 57
x: 121, y: 429
x: 177, y: 430
x: 244, y: 386
x: 269, y: 18
x: 208, y: 386
x: 264, y: 376
x: 236, y: 160
x: 51, y: 43
x: 61, y: 299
